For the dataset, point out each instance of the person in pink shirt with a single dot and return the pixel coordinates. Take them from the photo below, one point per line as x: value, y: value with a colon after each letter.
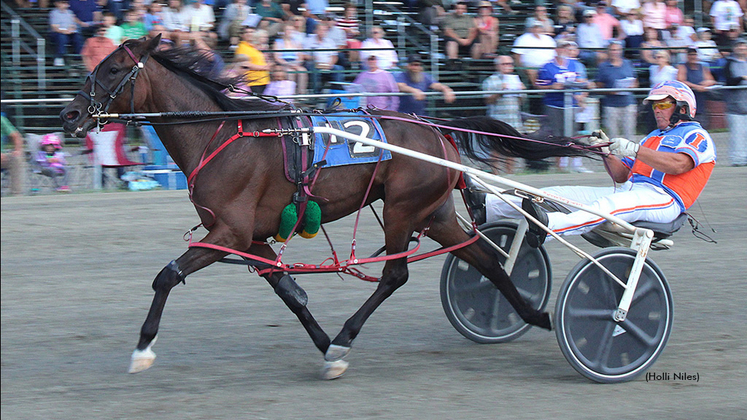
x: 673, y: 14
x: 654, y: 13
x: 96, y: 48
x: 607, y: 23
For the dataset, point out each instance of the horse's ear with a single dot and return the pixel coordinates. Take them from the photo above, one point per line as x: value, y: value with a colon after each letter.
x: 154, y: 43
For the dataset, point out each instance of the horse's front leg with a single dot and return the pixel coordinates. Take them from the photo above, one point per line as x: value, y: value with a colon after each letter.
x: 395, y: 274
x: 294, y: 297
x: 171, y: 275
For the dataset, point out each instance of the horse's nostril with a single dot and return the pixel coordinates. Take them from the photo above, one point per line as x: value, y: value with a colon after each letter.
x: 71, y: 116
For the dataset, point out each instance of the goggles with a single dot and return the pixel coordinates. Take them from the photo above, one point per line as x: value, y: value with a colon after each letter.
x: 662, y: 105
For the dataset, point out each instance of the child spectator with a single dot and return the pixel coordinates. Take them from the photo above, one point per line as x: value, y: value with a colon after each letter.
x: 487, y: 30
x: 291, y: 60
x: 51, y: 159
x: 154, y: 17
x: 280, y: 85
x: 133, y: 28
x: 113, y: 32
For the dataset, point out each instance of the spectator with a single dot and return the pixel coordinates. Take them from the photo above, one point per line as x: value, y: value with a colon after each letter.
x: 382, y: 48
x: 732, y: 35
x: 624, y: 7
x: 280, y: 85
x: 540, y: 15
x: 607, y: 23
x: 460, y: 33
x: 12, y: 155
x: 707, y: 50
x: 619, y: 108
x: 230, y: 26
x: 113, y: 32
x: 236, y: 72
x: 376, y: 80
x: 559, y: 74
x: 212, y: 64
x: 650, y: 46
x: 339, y: 38
x: 673, y: 15
x: 415, y: 81
x: 724, y: 15
x: 431, y: 13
x: 736, y: 102
x: 272, y: 16
x: 199, y: 17
x: 632, y: 26
x: 118, y: 7
x: 51, y: 159
x: 677, y: 41
x: 64, y: 30
x: 88, y: 13
x: 154, y: 16
x: 533, y: 49
x: 566, y: 25
x: 487, y: 30
x: 660, y: 72
x: 299, y: 24
x: 313, y: 12
x: 698, y: 78
x: 350, y: 24
x: 291, y: 61
x: 589, y: 35
x: 174, y: 17
x: 257, y: 70
x: 291, y: 8
x: 322, y: 63
x: 96, y: 49
x: 505, y: 107
x: 654, y: 15
x: 133, y: 28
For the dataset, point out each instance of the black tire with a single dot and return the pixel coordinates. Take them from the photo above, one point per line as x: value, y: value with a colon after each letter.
x: 593, y: 343
x: 476, y: 308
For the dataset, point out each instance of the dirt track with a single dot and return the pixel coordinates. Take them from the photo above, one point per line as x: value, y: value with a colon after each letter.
x: 76, y: 275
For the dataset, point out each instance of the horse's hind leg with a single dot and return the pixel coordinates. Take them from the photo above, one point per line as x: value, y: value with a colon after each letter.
x: 294, y: 297
x: 171, y: 275
x: 446, y: 231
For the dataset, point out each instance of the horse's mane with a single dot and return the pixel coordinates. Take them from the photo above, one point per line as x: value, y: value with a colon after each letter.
x: 189, y: 64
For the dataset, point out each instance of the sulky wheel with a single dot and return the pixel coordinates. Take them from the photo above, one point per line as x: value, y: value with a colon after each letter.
x: 476, y: 308
x: 593, y: 343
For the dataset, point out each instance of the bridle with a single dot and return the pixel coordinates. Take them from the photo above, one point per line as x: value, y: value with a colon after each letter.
x: 97, y: 107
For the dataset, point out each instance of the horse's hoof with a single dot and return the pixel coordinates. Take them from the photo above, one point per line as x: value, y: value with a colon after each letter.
x: 335, y: 353
x: 142, y: 359
x: 333, y: 370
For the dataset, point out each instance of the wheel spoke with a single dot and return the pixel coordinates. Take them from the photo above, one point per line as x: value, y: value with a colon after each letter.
x: 643, y: 290
x: 605, y: 347
x: 590, y: 313
x: 637, y: 333
x: 473, y: 286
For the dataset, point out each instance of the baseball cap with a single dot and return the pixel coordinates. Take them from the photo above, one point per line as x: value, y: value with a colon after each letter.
x: 589, y: 12
x: 413, y: 58
x: 602, y: 4
x: 703, y: 29
x: 536, y: 23
x: 485, y: 4
x: 740, y: 40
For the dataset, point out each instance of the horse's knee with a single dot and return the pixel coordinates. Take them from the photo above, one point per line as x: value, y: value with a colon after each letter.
x: 170, y: 276
x: 393, y: 278
x: 291, y: 293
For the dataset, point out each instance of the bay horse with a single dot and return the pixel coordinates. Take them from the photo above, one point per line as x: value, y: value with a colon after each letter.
x: 240, y: 194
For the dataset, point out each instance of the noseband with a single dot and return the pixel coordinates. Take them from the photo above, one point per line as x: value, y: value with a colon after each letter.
x: 101, y: 107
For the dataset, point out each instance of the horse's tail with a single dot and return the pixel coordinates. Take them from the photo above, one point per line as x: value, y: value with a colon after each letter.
x: 485, y: 137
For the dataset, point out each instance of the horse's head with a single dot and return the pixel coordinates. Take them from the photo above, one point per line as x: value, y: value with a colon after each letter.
x: 107, y: 88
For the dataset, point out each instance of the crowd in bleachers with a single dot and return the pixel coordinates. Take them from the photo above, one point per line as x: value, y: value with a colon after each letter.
x: 300, y: 46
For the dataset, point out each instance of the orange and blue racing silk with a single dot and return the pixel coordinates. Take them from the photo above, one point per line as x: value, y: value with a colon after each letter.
x: 339, y: 151
x: 689, y: 138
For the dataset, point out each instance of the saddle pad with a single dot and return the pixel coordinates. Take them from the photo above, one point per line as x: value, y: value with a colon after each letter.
x: 341, y: 151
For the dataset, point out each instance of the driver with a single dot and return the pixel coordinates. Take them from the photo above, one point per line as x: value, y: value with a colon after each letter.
x: 662, y: 175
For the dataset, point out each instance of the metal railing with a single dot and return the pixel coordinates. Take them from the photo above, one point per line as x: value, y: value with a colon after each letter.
x: 17, y: 23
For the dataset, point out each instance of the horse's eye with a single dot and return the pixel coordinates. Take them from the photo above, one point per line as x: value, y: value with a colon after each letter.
x: 114, y: 70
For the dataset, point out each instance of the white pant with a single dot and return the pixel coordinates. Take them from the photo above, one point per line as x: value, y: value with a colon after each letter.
x: 630, y: 202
